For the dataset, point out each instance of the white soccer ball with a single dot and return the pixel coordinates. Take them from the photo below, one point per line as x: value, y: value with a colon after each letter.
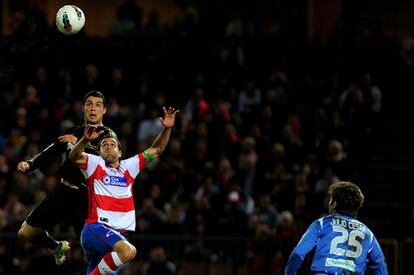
x: 70, y: 19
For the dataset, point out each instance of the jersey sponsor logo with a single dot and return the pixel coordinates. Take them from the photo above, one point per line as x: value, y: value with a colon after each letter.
x: 347, y: 264
x: 115, y: 181
x: 103, y: 219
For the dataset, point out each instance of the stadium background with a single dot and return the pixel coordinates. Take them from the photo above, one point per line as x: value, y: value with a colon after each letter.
x: 277, y: 100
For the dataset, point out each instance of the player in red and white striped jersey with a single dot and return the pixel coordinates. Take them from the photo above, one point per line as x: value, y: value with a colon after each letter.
x: 111, y: 206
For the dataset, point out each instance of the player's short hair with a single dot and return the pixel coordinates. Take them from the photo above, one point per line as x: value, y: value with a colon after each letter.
x: 108, y: 132
x: 94, y: 93
x: 348, y: 196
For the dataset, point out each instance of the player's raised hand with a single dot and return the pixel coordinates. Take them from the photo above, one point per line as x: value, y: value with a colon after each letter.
x: 92, y: 132
x: 169, y: 117
x: 68, y: 138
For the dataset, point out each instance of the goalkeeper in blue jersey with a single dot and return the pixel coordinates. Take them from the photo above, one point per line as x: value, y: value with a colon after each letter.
x: 343, y: 245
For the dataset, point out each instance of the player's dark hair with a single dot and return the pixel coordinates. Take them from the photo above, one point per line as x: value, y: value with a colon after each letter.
x: 94, y: 93
x: 348, y: 197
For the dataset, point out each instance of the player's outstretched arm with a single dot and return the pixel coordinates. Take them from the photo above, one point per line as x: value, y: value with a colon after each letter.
x: 49, y: 153
x: 46, y: 156
x: 160, y: 143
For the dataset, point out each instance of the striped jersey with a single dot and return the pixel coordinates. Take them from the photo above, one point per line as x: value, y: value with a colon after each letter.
x: 343, y: 245
x: 110, y: 191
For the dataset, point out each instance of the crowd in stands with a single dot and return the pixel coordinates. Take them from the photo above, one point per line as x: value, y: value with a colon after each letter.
x: 264, y: 128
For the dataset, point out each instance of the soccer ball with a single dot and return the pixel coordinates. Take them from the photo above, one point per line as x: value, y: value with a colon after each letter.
x: 70, y: 19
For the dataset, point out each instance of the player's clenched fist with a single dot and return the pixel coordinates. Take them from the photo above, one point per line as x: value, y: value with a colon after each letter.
x: 23, y: 166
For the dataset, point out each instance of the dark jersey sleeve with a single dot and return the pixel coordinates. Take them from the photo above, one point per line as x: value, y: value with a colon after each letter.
x: 50, y: 153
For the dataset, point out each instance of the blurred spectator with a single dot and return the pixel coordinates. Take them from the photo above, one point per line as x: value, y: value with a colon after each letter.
x: 149, y: 127
x: 158, y: 263
x: 338, y: 160
x: 66, y: 85
x: 150, y: 219
x: 118, y: 87
x: 323, y: 183
x: 153, y: 27
x: 176, y: 219
x: 197, y: 106
x: 249, y: 99
x: 266, y: 212
x: 91, y: 77
x: 247, y: 164
x: 15, y: 211
x: 225, y: 174
x: 122, y: 25
x: 131, y: 10
x: 233, y: 221
x: 286, y: 230
x: 229, y: 143
x: 407, y: 47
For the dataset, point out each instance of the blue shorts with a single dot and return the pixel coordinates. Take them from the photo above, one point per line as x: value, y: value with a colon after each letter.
x: 97, y: 240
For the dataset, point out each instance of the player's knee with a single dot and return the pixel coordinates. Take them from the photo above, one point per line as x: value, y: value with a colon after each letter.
x: 24, y: 234
x: 130, y: 253
x: 127, y: 252
x: 133, y: 252
x: 28, y: 232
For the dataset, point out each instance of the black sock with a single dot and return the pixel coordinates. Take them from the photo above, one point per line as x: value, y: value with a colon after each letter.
x: 44, y: 239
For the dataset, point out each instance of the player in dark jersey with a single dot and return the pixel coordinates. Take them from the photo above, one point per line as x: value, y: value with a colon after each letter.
x: 343, y: 245
x: 69, y: 201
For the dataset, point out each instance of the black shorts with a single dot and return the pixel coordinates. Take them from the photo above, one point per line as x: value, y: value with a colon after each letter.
x: 64, y: 204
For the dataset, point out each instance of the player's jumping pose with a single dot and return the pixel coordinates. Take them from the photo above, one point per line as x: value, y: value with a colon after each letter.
x: 69, y: 201
x: 111, y: 206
